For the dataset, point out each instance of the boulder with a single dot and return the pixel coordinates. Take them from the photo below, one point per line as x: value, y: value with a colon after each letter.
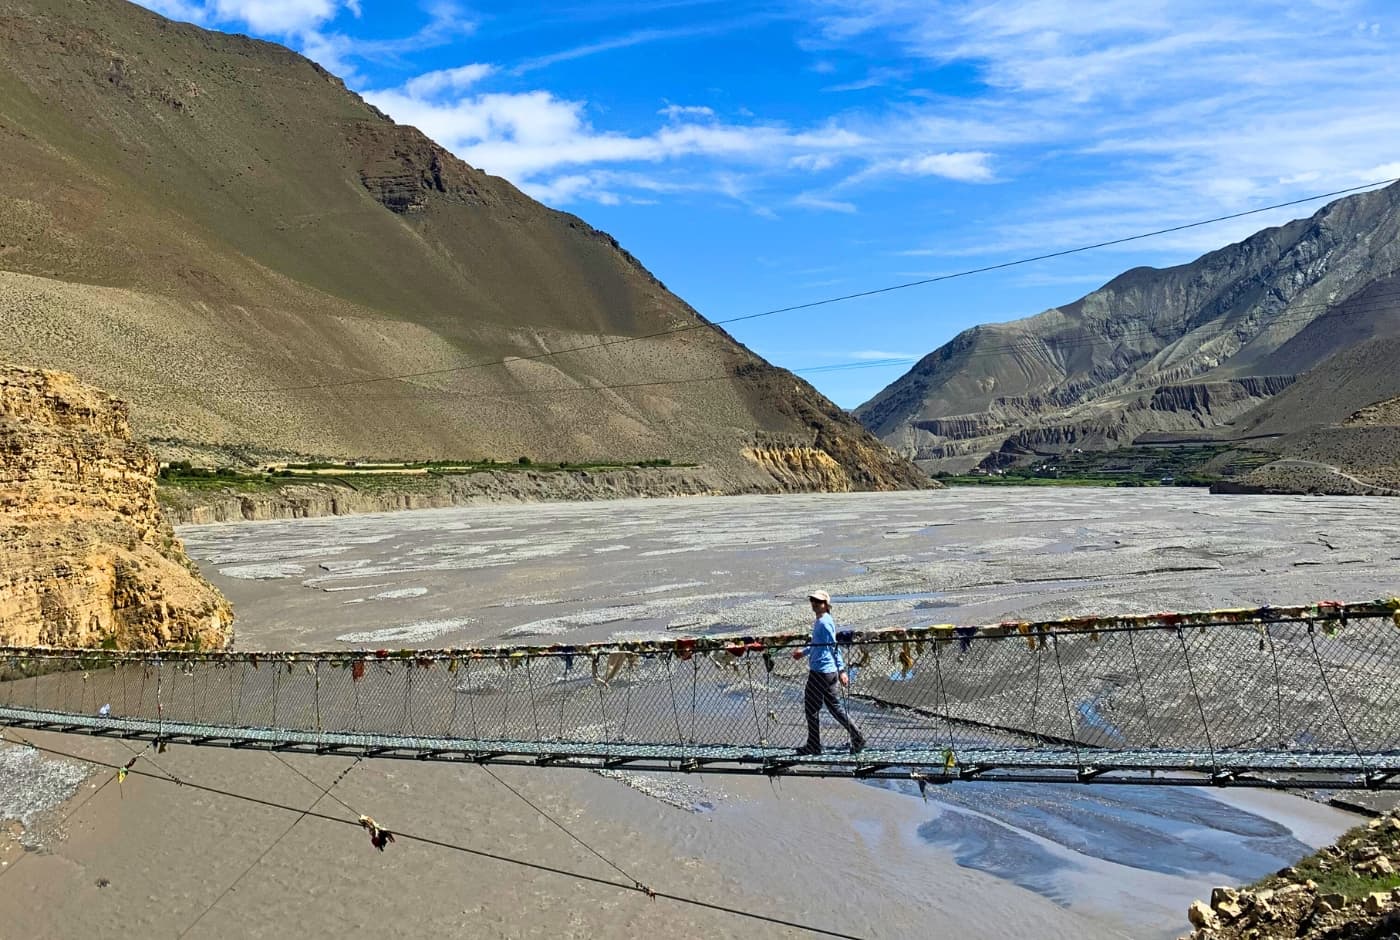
x: 1201, y: 916
x: 1226, y: 903
x: 1331, y: 902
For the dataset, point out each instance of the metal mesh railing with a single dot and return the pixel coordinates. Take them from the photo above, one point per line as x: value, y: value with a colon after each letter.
x: 1301, y: 696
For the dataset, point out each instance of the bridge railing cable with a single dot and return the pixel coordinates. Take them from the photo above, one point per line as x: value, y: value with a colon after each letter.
x: 1300, y: 696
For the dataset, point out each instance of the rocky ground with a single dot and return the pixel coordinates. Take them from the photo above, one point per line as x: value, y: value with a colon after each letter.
x: 1346, y: 891
x: 769, y: 468
x: 1313, y: 478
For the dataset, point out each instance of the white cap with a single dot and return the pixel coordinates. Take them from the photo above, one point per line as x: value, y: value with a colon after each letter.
x: 819, y: 596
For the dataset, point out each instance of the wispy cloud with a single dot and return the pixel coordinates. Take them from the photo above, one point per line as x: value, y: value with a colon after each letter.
x: 307, y: 25
x: 433, y: 83
x: 677, y: 111
x: 1162, y: 108
x: 875, y: 78
x: 969, y: 166
x: 814, y: 201
x: 638, y: 37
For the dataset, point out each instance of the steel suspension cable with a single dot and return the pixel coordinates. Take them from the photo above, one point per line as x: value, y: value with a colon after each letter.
x: 467, y: 850
x: 264, y: 853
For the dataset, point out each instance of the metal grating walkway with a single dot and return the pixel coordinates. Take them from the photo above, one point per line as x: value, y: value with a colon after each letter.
x: 1296, y: 697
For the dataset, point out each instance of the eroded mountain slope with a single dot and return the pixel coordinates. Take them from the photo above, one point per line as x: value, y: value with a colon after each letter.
x: 215, y: 229
x: 1177, y: 351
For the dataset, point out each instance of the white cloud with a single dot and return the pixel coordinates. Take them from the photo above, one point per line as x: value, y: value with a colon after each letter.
x: 967, y: 167
x: 279, y: 16
x: 571, y: 187
x: 813, y: 201
x: 430, y: 84
x: 675, y: 111
x: 1168, y: 111
x: 542, y: 142
x: 304, y: 25
x: 1384, y: 171
x: 189, y: 11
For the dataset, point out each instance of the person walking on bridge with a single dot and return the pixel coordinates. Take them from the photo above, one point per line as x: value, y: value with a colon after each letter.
x: 827, y: 672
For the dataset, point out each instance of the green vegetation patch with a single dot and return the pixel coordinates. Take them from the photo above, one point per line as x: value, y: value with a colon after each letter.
x: 1164, y: 465
x: 181, y: 475
x: 448, y: 467
x: 1334, y: 868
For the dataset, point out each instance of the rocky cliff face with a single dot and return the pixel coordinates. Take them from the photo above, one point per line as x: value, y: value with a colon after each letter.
x: 796, y: 468
x: 1184, y: 349
x: 88, y: 556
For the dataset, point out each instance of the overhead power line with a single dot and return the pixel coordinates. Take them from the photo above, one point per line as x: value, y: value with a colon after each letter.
x: 1380, y: 301
x: 891, y: 288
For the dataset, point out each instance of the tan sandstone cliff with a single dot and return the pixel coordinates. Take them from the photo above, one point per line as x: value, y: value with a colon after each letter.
x: 88, y: 557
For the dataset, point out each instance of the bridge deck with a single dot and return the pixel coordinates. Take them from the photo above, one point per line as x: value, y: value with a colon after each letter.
x: 1321, y: 769
x: 1275, y: 697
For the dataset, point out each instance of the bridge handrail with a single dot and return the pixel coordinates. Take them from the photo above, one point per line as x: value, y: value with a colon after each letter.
x: 1328, y: 613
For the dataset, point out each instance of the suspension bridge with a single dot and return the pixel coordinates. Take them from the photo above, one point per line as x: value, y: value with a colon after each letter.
x: 1276, y: 697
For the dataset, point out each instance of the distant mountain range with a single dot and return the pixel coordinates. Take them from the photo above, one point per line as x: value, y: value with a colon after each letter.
x: 215, y: 229
x: 1292, y: 330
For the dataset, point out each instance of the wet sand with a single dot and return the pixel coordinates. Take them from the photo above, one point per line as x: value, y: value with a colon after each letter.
x: 978, y: 860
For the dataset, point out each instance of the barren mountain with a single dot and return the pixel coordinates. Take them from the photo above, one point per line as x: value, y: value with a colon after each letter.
x: 213, y: 228
x: 1175, y: 352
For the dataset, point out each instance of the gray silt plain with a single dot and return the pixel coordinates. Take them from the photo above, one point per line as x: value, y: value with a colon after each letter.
x: 578, y: 572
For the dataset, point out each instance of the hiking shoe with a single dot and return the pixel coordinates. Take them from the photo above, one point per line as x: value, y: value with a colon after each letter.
x: 808, y: 750
x: 857, y: 743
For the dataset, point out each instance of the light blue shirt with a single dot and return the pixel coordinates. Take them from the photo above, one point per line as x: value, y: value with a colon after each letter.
x: 822, y: 653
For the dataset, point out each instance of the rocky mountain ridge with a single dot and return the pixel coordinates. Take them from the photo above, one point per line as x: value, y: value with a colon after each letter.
x: 1182, y: 351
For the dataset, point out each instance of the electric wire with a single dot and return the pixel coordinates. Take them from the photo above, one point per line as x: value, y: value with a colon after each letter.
x: 1377, y: 303
x: 456, y: 847
x: 564, y: 829
x: 281, y: 760
x: 711, y: 324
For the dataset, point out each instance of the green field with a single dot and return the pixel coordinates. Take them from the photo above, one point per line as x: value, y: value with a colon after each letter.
x: 1185, y: 465
x: 378, y: 474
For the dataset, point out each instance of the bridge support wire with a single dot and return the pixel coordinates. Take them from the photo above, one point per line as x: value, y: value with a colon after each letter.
x: 1142, y: 703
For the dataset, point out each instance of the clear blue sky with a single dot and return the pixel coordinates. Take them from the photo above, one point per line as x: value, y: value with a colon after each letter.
x: 756, y: 155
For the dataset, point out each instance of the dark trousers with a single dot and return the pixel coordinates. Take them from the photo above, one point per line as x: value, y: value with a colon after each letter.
x: 821, y: 690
